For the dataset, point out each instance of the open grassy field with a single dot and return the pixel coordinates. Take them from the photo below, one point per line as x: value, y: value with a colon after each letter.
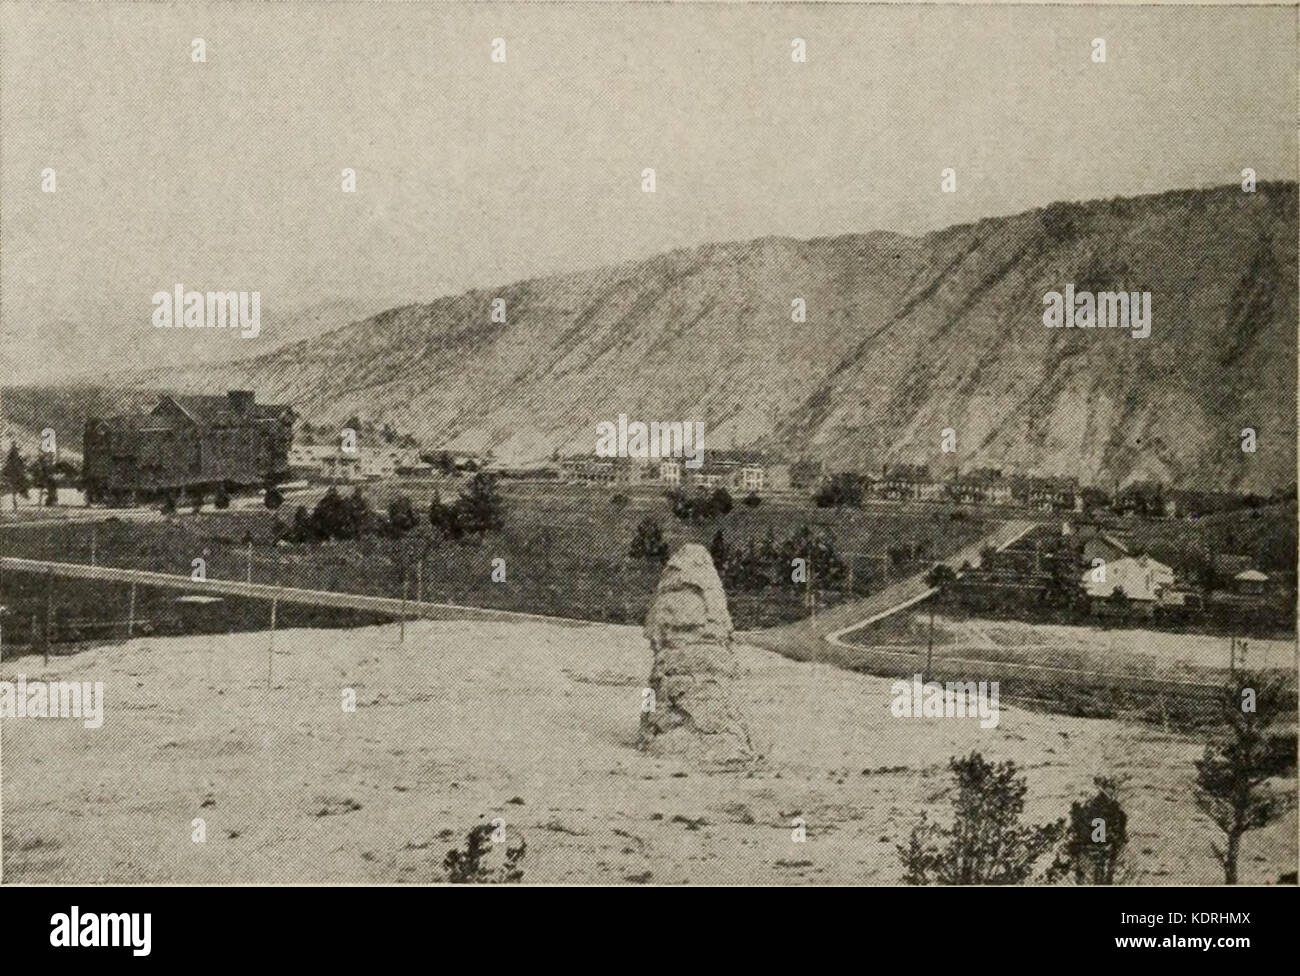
x: 565, y: 548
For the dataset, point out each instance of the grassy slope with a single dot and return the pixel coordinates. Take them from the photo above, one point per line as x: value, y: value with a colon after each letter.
x: 565, y: 549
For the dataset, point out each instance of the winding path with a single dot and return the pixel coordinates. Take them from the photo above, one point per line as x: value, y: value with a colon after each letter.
x: 822, y: 639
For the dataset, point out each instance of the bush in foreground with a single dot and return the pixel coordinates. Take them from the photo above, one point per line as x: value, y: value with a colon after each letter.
x: 1094, y: 840
x: 986, y: 844
x: 467, y: 867
x: 1231, y: 777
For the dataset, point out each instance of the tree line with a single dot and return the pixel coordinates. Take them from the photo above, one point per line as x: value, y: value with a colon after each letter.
x: 804, y: 559
x: 44, y: 474
x: 478, y: 510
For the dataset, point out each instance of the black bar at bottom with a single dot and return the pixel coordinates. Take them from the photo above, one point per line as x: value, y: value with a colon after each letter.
x: 335, y: 926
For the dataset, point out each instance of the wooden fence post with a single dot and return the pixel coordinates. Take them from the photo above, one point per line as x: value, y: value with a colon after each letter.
x: 49, y: 612
x: 270, y: 650
x: 401, y: 627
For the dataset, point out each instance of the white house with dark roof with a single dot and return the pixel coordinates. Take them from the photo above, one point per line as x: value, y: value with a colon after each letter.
x: 1142, y: 579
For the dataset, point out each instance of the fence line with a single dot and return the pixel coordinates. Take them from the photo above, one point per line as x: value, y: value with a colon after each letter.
x: 388, y: 606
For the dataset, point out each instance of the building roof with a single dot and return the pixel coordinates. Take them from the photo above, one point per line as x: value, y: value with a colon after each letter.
x: 213, y: 411
x: 1141, y: 578
x: 136, y: 422
x: 1115, y: 541
x: 314, y: 451
x: 1034, y: 482
x: 907, y: 472
x: 1232, y: 563
x: 205, y: 411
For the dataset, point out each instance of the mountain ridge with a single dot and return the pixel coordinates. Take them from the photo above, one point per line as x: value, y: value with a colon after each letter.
x: 905, y: 337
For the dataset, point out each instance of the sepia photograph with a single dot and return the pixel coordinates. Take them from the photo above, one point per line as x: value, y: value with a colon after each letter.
x: 615, y: 444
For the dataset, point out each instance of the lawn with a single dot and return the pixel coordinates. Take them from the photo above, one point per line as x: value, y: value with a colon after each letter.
x: 565, y: 549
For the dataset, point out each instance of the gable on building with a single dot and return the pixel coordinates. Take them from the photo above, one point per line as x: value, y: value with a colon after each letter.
x: 187, y: 442
x: 1140, y: 577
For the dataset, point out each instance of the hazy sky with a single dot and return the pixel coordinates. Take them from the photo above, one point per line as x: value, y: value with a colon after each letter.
x: 225, y: 175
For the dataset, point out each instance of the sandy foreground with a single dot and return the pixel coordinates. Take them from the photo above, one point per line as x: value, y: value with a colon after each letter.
x: 536, y: 724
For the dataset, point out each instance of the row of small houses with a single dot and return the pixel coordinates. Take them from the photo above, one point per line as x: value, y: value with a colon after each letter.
x: 332, y: 463
x: 201, y: 442
x: 737, y: 471
x: 718, y: 469
x: 896, y: 482
x: 978, y: 486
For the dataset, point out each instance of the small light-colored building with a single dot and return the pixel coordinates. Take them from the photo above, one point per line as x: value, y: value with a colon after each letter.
x: 326, y: 461
x: 986, y: 485
x: 751, y: 478
x: 1251, y: 581
x: 631, y: 471
x: 907, y: 481
x: 1142, y: 579
x: 339, y: 466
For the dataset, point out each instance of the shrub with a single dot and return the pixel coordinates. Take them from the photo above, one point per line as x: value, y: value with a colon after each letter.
x: 480, y: 508
x: 334, y: 517
x: 619, y: 500
x: 699, y: 506
x: 301, y: 530
x: 648, y: 542
x: 401, y: 516
x: 720, y: 501
x: 840, y: 489
x: 359, y: 519
x: 14, y: 475
x: 1094, y: 838
x: 222, y: 498
x: 826, y: 569
x: 690, y: 508
x: 45, y: 480
x: 986, y: 843
x: 1061, y: 221
x: 445, y: 519
x: 752, y: 500
x: 272, y: 499
x: 988, y: 559
x: 1231, y: 776
x: 467, y: 867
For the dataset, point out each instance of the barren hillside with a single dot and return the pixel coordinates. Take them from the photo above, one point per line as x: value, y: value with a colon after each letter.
x: 904, y: 336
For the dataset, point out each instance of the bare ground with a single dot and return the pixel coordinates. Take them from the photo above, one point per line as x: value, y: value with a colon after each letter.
x: 535, y: 724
